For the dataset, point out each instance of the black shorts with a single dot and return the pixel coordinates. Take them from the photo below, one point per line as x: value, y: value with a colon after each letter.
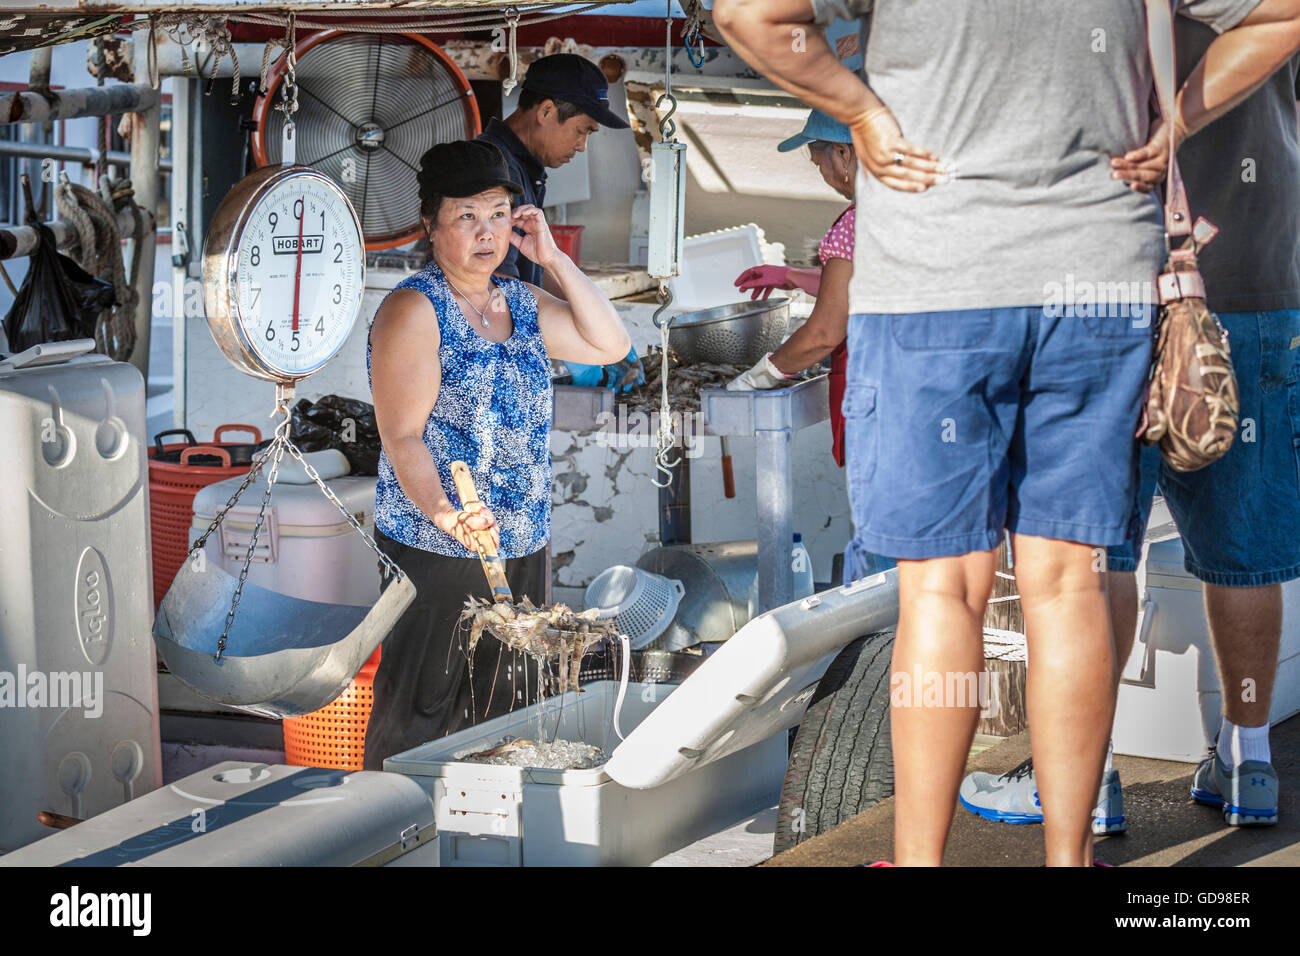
x: 423, y: 688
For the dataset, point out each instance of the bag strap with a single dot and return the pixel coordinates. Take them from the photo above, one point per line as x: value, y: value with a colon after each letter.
x: 1160, y: 44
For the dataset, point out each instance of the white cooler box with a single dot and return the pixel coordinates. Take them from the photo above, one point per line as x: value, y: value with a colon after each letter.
x: 306, y: 548
x: 698, y: 756
x: 1169, y: 705
x: 246, y: 814
x: 492, y: 815
x: 75, y: 603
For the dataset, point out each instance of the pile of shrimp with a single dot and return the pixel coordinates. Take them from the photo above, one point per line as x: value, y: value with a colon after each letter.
x: 546, y: 633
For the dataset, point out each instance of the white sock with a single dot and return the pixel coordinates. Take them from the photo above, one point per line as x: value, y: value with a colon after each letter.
x: 1110, y: 757
x: 1239, y: 744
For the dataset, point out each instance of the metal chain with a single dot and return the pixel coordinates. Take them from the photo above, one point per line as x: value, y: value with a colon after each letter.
x: 667, y: 437
x: 288, y: 104
x: 230, y: 502
x: 275, y: 454
x: 278, y: 447
x: 664, y: 463
x: 384, y: 559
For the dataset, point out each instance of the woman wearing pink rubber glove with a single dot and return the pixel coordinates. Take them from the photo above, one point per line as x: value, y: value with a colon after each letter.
x: 831, y: 147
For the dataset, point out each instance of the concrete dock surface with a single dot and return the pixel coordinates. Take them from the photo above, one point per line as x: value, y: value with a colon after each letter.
x: 1166, y: 827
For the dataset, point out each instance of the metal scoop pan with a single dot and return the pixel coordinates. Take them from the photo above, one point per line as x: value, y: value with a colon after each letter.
x: 284, y: 656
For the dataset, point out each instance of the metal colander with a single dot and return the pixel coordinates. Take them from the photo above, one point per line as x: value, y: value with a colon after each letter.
x: 736, y: 334
x: 369, y: 106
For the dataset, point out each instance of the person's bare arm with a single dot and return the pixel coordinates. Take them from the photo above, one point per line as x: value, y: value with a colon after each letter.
x: 1238, y: 62
x: 551, y: 286
x: 405, y: 374
x: 582, y: 326
x: 825, y: 328
x: 1235, y: 65
x: 779, y: 39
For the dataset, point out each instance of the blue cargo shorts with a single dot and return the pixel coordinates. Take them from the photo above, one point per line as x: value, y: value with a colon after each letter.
x: 1240, y: 516
x: 962, y: 423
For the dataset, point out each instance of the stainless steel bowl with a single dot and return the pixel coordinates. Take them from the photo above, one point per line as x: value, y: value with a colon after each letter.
x: 736, y: 334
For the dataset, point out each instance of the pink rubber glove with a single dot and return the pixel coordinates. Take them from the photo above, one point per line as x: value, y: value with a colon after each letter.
x: 763, y: 279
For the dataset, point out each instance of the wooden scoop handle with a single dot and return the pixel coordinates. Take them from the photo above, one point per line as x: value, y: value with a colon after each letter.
x: 493, y: 568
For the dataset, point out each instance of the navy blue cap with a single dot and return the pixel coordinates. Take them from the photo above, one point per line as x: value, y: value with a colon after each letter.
x: 576, y: 80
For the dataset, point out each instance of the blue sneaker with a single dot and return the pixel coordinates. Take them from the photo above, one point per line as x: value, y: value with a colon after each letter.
x: 1247, y: 794
x: 1012, y: 797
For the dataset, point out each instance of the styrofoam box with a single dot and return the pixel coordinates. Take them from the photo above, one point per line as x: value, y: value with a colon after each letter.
x: 246, y: 814
x: 490, y: 815
x: 1169, y: 704
x: 75, y: 601
x: 306, y: 548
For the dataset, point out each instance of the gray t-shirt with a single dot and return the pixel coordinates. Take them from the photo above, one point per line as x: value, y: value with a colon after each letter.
x: 1026, y: 102
x: 1243, y: 174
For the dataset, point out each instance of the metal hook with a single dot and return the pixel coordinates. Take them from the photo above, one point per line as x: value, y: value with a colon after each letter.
x: 667, y: 125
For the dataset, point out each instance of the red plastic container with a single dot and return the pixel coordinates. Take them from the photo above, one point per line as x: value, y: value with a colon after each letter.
x: 172, y: 487
x: 568, y: 239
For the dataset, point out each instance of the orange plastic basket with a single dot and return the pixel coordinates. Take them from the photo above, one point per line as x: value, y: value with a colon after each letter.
x: 335, y: 735
x: 172, y: 487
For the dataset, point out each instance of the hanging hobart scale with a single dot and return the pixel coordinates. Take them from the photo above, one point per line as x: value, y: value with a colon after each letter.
x: 283, y: 275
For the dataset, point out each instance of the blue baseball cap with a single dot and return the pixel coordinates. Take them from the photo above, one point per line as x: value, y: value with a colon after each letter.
x: 819, y: 127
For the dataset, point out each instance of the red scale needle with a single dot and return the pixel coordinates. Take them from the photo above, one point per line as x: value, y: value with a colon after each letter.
x: 297, y: 267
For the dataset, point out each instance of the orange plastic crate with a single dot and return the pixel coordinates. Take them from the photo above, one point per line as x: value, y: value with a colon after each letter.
x: 172, y: 488
x: 335, y: 735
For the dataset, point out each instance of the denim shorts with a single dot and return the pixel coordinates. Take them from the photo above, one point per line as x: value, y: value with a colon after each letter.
x: 963, y: 423
x: 1239, y: 517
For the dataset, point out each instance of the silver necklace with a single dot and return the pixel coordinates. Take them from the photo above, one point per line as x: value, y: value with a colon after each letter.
x: 482, y: 313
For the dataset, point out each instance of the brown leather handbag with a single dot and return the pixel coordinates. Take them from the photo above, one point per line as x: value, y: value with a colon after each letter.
x: 1192, y: 403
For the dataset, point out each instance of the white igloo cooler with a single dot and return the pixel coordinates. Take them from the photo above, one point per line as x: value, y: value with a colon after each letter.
x: 247, y: 814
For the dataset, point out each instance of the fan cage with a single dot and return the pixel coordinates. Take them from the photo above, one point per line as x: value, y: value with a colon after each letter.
x: 334, y: 116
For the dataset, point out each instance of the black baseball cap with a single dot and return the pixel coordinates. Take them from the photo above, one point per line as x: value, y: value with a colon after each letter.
x: 463, y: 168
x: 576, y: 80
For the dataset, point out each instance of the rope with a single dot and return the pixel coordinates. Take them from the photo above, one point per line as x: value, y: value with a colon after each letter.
x: 511, y: 81
x: 185, y: 29
x: 98, y: 250
x: 441, y: 24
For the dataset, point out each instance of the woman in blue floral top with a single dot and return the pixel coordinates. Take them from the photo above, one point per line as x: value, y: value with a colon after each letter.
x: 459, y: 363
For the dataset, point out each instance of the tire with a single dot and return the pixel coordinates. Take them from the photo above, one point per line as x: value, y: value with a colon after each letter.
x: 841, y: 762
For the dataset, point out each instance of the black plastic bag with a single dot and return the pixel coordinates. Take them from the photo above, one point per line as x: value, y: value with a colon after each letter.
x: 58, y: 299
x: 342, y: 423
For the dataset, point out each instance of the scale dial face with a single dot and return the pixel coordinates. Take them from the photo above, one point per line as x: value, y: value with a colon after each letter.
x: 283, y: 272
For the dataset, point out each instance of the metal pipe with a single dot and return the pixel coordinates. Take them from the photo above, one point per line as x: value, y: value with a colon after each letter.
x: 181, y: 246
x: 71, y: 154
x: 39, y: 76
x: 18, y: 241
x: 145, y: 181
x: 29, y: 107
x: 775, y: 508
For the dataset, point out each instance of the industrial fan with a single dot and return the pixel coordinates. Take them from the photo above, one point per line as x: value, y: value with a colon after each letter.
x: 369, y: 105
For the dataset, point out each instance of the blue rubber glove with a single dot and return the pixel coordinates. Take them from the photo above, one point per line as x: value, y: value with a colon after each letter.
x: 620, y: 376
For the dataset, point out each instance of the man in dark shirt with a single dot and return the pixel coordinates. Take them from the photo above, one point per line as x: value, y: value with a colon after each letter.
x: 1238, y: 516
x: 563, y: 100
